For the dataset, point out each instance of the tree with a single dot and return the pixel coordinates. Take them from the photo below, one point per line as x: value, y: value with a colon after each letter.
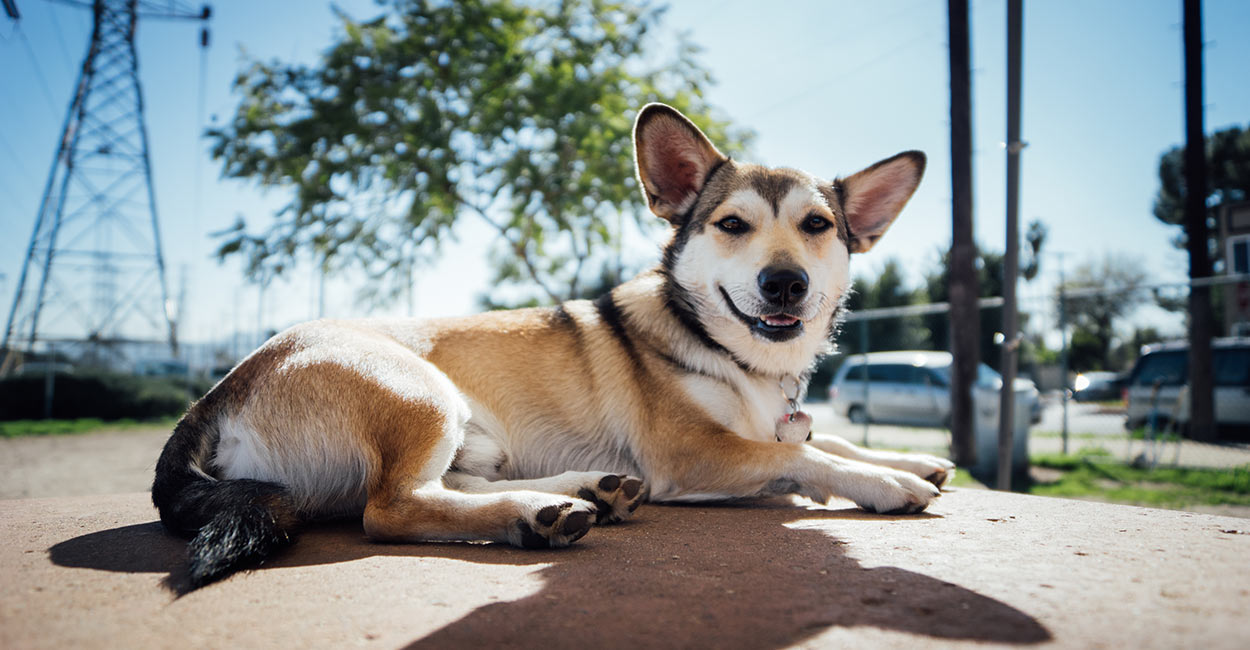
x: 989, y: 266
x: 888, y: 289
x: 1099, y: 294
x: 515, y: 114
x: 1228, y: 179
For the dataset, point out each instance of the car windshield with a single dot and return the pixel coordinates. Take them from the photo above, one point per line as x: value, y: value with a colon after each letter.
x: 986, y: 376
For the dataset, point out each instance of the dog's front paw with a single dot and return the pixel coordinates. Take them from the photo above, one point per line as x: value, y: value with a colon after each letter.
x: 894, y: 493
x: 552, y: 526
x: 938, y: 471
x: 616, y: 497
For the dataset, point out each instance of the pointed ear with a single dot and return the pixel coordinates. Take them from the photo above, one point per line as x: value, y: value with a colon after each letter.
x: 673, y: 159
x: 872, y: 198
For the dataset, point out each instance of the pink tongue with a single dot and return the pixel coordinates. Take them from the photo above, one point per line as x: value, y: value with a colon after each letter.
x: 780, y: 321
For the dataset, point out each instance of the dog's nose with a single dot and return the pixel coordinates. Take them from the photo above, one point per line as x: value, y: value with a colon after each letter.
x: 783, y: 284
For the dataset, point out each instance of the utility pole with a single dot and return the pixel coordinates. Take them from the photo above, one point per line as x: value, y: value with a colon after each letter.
x: 965, y: 323
x: 1201, y: 321
x: 1011, y: 260
x: 94, y: 272
x: 1063, y: 348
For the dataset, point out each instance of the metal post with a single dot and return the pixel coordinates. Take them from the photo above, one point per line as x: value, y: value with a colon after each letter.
x: 863, y: 337
x: 965, y: 317
x: 49, y: 382
x: 1201, y: 320
x: 1011, y: 261
x: 1063, y: 350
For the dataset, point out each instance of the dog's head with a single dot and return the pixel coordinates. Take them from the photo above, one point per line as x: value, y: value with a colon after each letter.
x: 759, y: 257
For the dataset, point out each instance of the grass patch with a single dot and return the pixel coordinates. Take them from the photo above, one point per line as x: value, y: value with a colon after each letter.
x: 1072, y: 435
x: 1091, y: 473
x: 964, y: 478
x: 18, y: 428
x: 1163, y: 436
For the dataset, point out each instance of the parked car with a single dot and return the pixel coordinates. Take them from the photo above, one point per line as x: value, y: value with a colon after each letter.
x: 1157, y: 386
x: 913, y: 387
x: 1097, y: 386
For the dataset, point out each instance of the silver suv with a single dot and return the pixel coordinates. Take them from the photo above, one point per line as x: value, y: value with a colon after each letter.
x: 913, y: 387
x: 1157, y: 388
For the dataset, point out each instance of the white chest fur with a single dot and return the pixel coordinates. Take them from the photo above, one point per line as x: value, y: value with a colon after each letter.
x: 749, y: 407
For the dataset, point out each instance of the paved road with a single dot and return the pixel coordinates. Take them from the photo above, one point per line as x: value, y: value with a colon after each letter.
x: 1041, y: 441
x: 1083, y: 418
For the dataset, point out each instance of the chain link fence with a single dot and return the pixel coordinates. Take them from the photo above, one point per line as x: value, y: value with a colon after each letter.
x: 1120, y: 392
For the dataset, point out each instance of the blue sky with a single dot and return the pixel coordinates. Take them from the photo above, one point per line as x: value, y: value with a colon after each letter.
x: 828, y: 86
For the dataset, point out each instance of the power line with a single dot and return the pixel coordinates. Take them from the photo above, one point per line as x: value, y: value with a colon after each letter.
x: 17, y: 160
x: 34, y: 60
x: 826, y: 86
x: 60, y: 38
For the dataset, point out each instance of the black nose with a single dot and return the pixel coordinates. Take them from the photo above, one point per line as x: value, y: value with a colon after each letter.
x: 783, y: 284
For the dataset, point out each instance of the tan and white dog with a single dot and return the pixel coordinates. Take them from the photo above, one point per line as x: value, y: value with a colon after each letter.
x: 528, y: 426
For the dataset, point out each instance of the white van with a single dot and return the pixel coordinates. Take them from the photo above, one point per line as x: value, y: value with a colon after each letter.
x: 913, y: 387
x: 1166, y: 366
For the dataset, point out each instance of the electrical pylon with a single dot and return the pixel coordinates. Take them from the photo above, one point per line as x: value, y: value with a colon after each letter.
x: 94, y: 273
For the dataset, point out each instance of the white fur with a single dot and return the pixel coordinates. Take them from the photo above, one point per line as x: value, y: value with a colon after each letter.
x: 324, y: 479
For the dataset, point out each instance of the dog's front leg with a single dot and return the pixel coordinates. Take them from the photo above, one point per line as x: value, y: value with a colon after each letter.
x: 719, y: 464
x: 937, y: 471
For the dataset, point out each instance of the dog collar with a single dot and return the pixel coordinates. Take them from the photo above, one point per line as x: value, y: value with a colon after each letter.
x: 794, y: 426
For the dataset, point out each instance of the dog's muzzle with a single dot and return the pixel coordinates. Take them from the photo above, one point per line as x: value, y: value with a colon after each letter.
x: 777, y: 326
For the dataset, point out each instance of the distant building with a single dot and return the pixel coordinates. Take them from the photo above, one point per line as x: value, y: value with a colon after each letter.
x: 1235, y: 237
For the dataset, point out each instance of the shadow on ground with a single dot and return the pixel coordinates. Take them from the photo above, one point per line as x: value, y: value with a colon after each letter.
x: 748, y: 575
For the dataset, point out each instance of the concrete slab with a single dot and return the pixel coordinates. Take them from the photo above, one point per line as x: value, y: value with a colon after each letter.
x: 982, y: 567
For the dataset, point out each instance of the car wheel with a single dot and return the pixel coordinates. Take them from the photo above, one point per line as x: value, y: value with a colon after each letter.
x: 857, y: 414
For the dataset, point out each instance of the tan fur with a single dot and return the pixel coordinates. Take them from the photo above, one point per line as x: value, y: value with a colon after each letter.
x: 388, y: 416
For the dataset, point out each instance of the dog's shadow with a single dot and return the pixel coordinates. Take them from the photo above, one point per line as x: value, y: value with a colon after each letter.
x: 679, y: 576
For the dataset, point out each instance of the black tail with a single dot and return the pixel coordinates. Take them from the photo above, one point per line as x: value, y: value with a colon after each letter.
x: 232, y: 524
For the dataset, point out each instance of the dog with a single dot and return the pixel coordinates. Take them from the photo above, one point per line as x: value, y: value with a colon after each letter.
x: 529, y: 426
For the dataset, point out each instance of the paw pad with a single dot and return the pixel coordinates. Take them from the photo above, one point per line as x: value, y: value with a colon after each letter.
x: 554, y: 526
x: 615, y: 497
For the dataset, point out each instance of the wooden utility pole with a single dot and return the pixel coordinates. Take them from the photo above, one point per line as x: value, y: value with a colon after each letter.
x: 1201, y: 321
x: 965, y: 324
x: 1011, y: 259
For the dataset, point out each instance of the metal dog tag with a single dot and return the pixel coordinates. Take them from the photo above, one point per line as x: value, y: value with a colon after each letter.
x: 794, y: 427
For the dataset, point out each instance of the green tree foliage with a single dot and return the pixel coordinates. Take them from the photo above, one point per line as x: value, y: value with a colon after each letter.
x: 888, y: 289
x: 990, y: 278
x: 1113, y: 283
x: 513, y: 113
x: 1125, y: 354
x: 1228, y: 179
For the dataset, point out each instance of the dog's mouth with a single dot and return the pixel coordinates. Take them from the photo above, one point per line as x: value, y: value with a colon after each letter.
x: 777, y: 327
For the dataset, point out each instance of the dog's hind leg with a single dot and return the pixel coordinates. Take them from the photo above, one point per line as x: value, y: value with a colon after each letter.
x: 937, y: 471
x: 616, y: 496
x: 408, y: 502
x: 432, y: 512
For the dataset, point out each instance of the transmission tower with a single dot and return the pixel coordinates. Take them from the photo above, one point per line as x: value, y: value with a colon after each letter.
x: 94, y: 274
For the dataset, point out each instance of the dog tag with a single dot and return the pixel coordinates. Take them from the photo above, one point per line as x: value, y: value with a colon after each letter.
x: 795, y: 427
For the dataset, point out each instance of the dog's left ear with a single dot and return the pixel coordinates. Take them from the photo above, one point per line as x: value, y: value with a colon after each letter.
x: 673, y: 158
x: 872, y: 198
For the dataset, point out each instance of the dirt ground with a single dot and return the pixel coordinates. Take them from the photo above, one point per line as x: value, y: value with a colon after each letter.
x: 105, y: 462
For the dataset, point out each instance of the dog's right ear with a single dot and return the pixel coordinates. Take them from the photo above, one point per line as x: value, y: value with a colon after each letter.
x: 673, y: 159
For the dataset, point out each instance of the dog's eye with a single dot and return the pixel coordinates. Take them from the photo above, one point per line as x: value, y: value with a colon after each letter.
x: 733, y: 225
x: 815, y: 223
